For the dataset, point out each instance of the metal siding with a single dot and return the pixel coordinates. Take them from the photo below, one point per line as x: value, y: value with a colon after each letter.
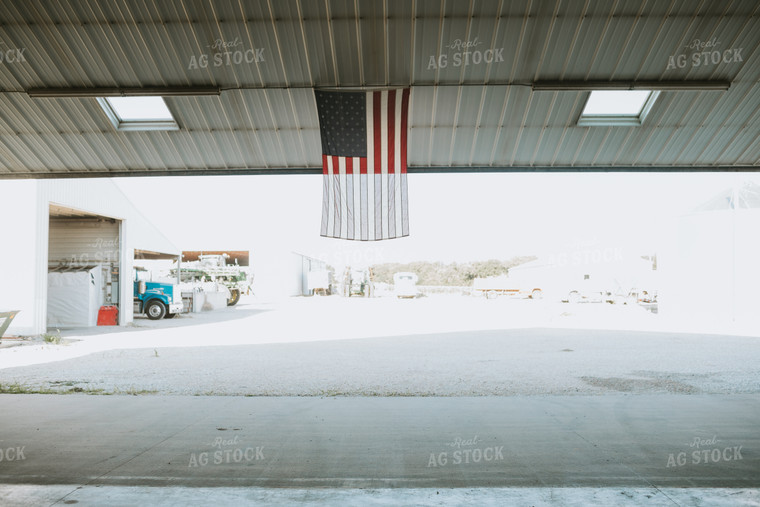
x: 82, y: 242
x: 487, y: 101
x: 441, y: 141
x: 461, y: 146
x: 751, y: 155
x: 420, y: 136
x: 320, y: 54
x: 346, y: 43
x: 544, y: 151
x: 483, y: 146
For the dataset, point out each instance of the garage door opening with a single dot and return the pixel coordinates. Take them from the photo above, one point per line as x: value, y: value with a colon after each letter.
x: 84, y: 251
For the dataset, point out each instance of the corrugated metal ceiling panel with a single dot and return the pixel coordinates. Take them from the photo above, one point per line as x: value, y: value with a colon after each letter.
x: 287, y: 47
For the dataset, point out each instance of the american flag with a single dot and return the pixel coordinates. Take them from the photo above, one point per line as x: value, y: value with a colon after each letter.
x: 364, y: 164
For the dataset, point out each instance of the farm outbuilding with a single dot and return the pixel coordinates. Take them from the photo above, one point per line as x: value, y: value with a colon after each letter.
x: 712, y: 269
x: 68, y: 249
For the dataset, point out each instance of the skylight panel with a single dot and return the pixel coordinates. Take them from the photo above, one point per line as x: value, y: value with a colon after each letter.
x: 617, y: 107
x: 138, y: 113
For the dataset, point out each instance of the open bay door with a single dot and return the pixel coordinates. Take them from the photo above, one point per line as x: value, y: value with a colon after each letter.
x: 83, y: 266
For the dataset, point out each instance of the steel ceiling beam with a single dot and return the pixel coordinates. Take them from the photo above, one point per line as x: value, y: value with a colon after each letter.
x: 285, y: 171
x: 631, y: 85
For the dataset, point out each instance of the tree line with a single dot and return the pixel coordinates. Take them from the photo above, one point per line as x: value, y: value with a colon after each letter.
x: 451, y: 274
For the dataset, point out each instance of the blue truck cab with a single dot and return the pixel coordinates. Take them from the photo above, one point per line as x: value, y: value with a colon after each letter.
x: 157, y: 300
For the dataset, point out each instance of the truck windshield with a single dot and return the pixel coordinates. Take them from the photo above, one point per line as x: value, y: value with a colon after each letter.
x: 142, y: 276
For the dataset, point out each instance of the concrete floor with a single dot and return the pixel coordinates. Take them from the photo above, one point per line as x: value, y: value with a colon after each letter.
x: 637, y: 444
x: 635, y: 417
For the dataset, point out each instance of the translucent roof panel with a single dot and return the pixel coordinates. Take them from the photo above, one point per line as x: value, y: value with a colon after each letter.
x: 616, y: 102
x: 140, y: 108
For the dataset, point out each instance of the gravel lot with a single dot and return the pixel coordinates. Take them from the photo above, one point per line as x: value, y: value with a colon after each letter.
x: 436, y: 346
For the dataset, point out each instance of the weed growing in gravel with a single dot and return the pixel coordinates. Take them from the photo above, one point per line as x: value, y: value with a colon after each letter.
x: 16, y: 388
x: 134, y: 392
x: 55, y: 339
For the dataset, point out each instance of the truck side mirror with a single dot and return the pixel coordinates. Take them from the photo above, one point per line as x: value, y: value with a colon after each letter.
x: 141, y: 287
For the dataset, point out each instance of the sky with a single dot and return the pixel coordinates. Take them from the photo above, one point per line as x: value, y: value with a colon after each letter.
x: 453, y: 218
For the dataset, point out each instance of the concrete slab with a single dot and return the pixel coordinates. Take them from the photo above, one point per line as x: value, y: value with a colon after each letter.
x: 635, y: 442
x: 128, y: 496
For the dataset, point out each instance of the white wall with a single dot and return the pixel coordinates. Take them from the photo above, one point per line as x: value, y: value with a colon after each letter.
x: 712, y: 268
x: 20, y: 251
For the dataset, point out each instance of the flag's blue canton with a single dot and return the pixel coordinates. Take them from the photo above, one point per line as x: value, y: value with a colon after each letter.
x: 343, y: 123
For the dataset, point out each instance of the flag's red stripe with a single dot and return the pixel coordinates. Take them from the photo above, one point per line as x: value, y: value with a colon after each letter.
x: 363, y: 165
x: 391, y: 130
x: 376, y: 132
x: 349, y: 165
x: 404, y: 121
x: 324, y: 164
x: 336, y: 165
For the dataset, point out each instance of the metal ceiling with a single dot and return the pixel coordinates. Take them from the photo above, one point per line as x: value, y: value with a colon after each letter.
x: 481, y: 116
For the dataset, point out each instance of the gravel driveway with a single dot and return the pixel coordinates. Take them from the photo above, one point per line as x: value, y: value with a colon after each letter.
x: 436, y: 347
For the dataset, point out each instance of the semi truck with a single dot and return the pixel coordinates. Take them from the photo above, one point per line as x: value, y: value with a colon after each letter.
x: 157, y: 300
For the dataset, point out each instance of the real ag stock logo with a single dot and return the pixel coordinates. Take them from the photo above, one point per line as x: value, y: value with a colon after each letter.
x: 706, y: 450
x: 225, y: 451
x: 461, y: 53
x: 704, y: 53
x: 11, y: 55
x: 226, y: 53
x: 466, y: 451
x: 12, y: 454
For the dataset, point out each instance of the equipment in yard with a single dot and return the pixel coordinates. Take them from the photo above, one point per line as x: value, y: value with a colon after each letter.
x: 320, y: 282
x: 5, y: 320
x: 358, y: 282
x: 157, y: 300
x: 214, y: 268
x: 495, y: 286
x: 405, y: 285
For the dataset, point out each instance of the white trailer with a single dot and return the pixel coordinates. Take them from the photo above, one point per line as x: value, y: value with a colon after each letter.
x: 405, y: 285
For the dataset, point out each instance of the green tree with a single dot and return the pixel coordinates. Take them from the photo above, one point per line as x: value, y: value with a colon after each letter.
x: 451, y: 274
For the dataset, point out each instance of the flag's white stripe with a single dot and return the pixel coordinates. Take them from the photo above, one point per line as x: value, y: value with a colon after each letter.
x: 339, y: 198
x: 364, y: 201
x: 397, y: 159
x: 325, y: 204
x: 370, y: 168
x: 384, y: 159
x: 331, y: 199
x: 343, y: 204
x: 405, y: 205
x: 357, y: 202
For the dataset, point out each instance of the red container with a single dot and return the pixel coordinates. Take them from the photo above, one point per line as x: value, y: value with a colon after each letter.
x: 108, y: 316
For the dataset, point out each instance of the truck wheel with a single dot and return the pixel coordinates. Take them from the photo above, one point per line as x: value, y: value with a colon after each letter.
x: 234, y: 297
x: 536, y: 294
x: 155, y: 310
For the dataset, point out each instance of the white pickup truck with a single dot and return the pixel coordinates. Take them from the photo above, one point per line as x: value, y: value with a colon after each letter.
x: 405, y: 285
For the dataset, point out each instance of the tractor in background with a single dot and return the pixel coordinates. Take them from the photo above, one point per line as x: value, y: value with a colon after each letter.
x: 215, y: 267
